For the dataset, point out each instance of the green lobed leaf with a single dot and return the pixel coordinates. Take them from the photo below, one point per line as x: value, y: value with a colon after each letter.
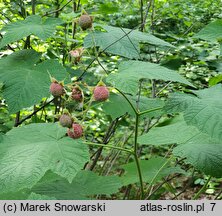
x: 85, y: 184
x: 25, y: 83
x: 176, y: 133
x: 152, y: 170
x: 114, y: 42
x: 203, y: 111
x: 27, y: 152
x: 211, y: 32
x: 130, y: 72
x: 204, y: 153
x: 198, y: 149
x: 118, y: 106
x: 33, y: 24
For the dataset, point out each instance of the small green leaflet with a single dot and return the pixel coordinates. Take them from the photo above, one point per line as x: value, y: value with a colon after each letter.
x: 122, y: 41
x: 34, y: 24
x: 130, y: 72
x: 26, y: 83
x: 27, y: 152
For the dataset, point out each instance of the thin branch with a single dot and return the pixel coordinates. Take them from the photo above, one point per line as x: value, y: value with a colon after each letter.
x: 146, y: 15
x: 139, y: 94
x: 17, y: 119
x: 163, y: 88
x: 33, y: 6
x: 134, y: 109
x: 106, y: 139
x: 141, y: 12
x: 161, y: 184
x: 78, y: 4
x: 11, y: 48
x: 58, y: 10
x: 152, y: 16
x: 102, y: 66
x: 57, y: 4
x: 202, y: 190
x: 153, y: 93
x: 218, y: 195
x: 37, y: 110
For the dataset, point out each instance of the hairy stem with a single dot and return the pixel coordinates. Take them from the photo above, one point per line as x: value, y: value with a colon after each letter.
x: 136, y: 157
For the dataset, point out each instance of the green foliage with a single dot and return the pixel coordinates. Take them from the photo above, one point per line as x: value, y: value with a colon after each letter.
x: 130, y: 72
x: 122, y: 41
x: 197, y: 148
x: 134, y: 144
x: 215, y: 80
x: 20, y: 195
x: 84, y: 185
x: 153, y: 170
x: 26, y: 81
x: 204, y: 110
x: 26, y: 153
x: 211, y: 32
x: 203, y: 153
x: 31, y: 25
x: 118, y: 106
x: 34, y: 196
x: 176, y: 133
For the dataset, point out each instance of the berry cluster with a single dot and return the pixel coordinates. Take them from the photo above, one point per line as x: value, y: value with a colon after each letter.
x: 58, y: 89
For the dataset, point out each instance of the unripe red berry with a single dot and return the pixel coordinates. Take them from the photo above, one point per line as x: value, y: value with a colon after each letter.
x: 56, y: 89
x: 76, y: 131
x: 101, y: 93
x: 85, y: 21
x: 77, y: 94
x: 65, y: 120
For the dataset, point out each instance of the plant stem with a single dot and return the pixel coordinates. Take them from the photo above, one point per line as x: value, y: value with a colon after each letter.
x: 155, y: 176
x: 141, y: 13
x: 151, y: 110
x: 202, y: 189
x: 33, y: 6
x: 32, y: 114
x: 17, y: 118
x: 109, y: 146
x: 106, y: 139
x: 135, y: 143
x: 153, y: 88
x: 58, y: 10
x: 134, y: 109
x: 136, y: 157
